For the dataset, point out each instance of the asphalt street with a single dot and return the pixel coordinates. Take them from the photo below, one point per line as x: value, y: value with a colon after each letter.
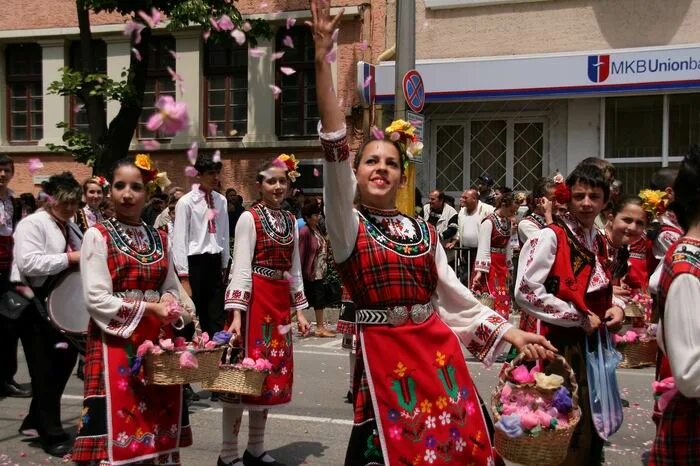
x: 315, y: 427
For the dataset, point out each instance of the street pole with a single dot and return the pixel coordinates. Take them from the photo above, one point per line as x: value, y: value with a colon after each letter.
x: 405, y: 61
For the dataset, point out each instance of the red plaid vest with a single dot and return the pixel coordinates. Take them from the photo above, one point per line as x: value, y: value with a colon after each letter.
x: 640, y: 260
x: 501, y: 231
x: 130, y: 270
x: 682, y: 257
x: 382, y: 272
x: 274, y: 247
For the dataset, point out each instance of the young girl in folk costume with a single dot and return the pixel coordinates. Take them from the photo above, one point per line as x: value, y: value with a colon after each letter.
x: 130, y: 288
x: 265, y: 291
x: 564, y: 280
x: 678, y: 434
x: 90, y: 214
x: 494, y: 255
x: 414, y: 399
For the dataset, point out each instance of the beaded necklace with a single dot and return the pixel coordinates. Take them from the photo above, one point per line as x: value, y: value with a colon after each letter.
x: 127, y: 245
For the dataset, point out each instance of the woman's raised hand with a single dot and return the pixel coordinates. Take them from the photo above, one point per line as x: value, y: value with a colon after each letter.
x: 322, y: 27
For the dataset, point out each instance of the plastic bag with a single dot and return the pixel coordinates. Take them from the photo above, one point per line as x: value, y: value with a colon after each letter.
x: 603, y: 392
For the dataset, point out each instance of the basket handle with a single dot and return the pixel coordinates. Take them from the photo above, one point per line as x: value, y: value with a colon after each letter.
x: 505, y: 374
x: 234, y: 343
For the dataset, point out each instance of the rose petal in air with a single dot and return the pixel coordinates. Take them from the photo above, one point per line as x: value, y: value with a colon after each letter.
x: 216, y: 158
x: 190, y: 171
x: 206, y: 34
x: 287, y: 70
x: 151, y: 144
x: 377, y: 133
x: 246, y: 27
x: 290, y: 22
x: 137, y: 54
x: 132, y: 28
x: 212, y: 129
x: 276, y: 91
x: 334, y: 37
x: 225, y: 23
x: 238, y: 36
x: 316, y: 172
x: 77, y: 108
x: 288, y: 42
x: 332, y: 56
x: 61, y: 345
x: 368, y: 80
x: 277, y: 55
x: 34, y: 165
x: 192, y: 153
x: 256, y: 52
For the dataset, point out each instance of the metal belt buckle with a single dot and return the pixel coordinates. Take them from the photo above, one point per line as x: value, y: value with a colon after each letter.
x: 397, y: 315
x: 420, y: 313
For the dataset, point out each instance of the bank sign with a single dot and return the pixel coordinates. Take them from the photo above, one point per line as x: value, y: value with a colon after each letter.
x: 621, y: 71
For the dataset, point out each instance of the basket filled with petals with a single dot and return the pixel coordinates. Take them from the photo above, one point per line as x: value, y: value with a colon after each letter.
x: 535, y: 413
x: 238, y: 375
x: 638, y: 347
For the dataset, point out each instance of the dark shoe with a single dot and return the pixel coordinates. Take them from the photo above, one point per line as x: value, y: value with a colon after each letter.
x: 214, y: 396
x: 348, y: 397
x: 59, y: 449
x: 250, y: 460
x: 15, y: 390
x: 235, y: 462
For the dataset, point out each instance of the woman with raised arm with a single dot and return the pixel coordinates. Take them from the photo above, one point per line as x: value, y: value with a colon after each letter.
x: 414, y: 399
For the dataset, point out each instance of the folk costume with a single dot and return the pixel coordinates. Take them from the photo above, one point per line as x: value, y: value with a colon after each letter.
x: 564, y: 274
x: 125, y: 421
x: 528, y: 227
x: 494, y: 260
x: 414, y: 399
x: 678, y: 434
x: 640, y: 265
x: 88, y: 217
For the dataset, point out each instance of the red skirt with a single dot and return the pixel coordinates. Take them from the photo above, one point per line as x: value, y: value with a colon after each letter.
x: 268, y: 313
x: 419, y: 404
x: 497, y: 284
x: 678, y: 435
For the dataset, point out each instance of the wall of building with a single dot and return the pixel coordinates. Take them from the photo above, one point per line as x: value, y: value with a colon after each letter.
x: 549, y: 26
x: 583, y: 131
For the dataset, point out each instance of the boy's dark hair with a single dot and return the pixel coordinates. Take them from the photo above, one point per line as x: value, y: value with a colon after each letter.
x: 7, y: 160
x: 590, y: 175
x: 205, y: 163
x: 686, y: 188
x: 309, y: 209
x: 664, y: 178
x: 63, y: 188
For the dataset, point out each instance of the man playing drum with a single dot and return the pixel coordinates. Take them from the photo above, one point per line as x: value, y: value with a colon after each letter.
x: 47, y: 242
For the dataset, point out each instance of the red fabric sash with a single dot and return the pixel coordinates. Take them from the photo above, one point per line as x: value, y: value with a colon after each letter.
x: 497, y: 284
x: 425, y: 402
x: 144, y: 420
x: 269, y: 309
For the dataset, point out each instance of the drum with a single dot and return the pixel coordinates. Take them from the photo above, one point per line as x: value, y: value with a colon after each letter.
x: 66, y: 309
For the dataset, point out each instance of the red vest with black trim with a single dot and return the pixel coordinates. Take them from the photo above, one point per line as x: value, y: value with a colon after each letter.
x: 640, y: 264
x: 571, y: 273
x: 682, y: 257
x: 274, y: 247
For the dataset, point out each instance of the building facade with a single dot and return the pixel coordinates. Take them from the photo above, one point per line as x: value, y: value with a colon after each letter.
x: 524, y: 88
x: 230, y: 103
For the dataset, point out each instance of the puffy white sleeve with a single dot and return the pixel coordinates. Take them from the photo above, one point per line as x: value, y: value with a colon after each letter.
x: 526, y: 229
x: 112, y: 314
x: 536, y: 261
x: 182, y: 227
x: 339, y: 194
x: 241, y: 277
x: 296, y: 282
x: 682, y: 332
x: 30, y: 254
x: 222, y: 233
x: 663, y: 242
x: 479, y: 328
x: 483, y: 252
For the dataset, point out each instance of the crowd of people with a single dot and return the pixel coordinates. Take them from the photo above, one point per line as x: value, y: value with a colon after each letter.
x: 568, y: 257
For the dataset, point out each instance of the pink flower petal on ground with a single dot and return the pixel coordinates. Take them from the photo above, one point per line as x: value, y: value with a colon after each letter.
x: 287, y: 70
x: 188, y: 360
x: 214, y: 24
x: 290, y: 22
x: 332, y: 56
x: 316, y: 172
x: 225, y: 23
x: 192, y: 153
x: 288, y: 42
x: 137, y: 54
x: 256, y: 52
x: 238, y: 36
x: 377, y: 133
x: 216, y: 158
x: 246, y: 27
x: 368, y: 80
x: 133, y: 29
x: 34, y: 165
x: 276, y: 91
x: 277, y: 55
x: 190, y: 171
x: 151, y: 144
x: 363, y: 45
x: 61, y: 345
x: 212, y: 129
x: 334, y: 37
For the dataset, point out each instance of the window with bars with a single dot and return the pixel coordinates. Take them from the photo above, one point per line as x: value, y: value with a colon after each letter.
x: 635, y: 140
x: 78, y: 114
x: 24, y: 93
x: 297, y: 112
x: 226, y: 90
x: 159, y: 83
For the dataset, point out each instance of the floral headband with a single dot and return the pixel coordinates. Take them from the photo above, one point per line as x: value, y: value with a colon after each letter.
x: 289, y: 163
x: 562, y: 193
x: 403, y: 133
x: 151, y: 176
x: 654, y: 202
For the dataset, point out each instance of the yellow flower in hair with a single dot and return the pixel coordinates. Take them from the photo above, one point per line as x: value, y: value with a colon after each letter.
x: 144, y: 162
x: 654, y: 202
x: 401, y: 126
x: 289, y: 162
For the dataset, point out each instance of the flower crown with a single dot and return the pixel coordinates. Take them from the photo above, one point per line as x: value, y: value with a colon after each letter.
x: 102, y: 181
x: 151, y: 176
x: 289, y: 163
x: 403, y: 133
x: 562, y: 193
x: 654, y: 202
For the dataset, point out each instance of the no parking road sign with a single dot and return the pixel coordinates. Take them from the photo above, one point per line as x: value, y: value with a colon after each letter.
x: 414, y: 91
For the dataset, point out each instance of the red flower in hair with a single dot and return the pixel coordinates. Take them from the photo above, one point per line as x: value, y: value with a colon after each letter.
x: 562, y: 194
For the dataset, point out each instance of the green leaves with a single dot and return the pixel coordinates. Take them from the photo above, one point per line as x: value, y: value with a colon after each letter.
x: 73, y: 82
x: 77, y: 143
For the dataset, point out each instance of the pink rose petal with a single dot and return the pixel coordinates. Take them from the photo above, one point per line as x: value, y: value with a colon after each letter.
x: 277, y: 55
x: 133, y: 29
x: 377, y: 133
x: 367, y: 82
x: 150, y: 144
x: 153, y: 19
x: 316, y: 172
x: 290, y: 22
x: 174, y: 54
x: 61, y: 345
x: 238, y: 36
x: 276, y: 91
x: 363, y: 45
x: 174, y: 75
x: 180, y: 343
x: 34, y: 165
x: 206, y: 34
x: 77, y: 108
x: 137, y: 54
x: 332, y: 56
x: 212, y: 129
x: 216, y: 158
x: 287, y: 70
x: 334, y: 37
x: 190, y: 171
x: 246, y: 27
x: 225, y: 23
x: 256, y: 52
x: 188, y: 360
x: 192, y: 153
x: 288, y: 42
x: 214, y: 23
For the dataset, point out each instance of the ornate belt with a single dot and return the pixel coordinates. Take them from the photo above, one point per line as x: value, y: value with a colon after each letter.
x: 395, y: 316
x: 499, y: 250
x: 150, y: 296
x: 269, y: 273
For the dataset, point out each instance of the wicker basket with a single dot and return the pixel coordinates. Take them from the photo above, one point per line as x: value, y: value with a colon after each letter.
x: 640, y: 354
x: 633, y: 309
x: 550, y: 447
x: 164, y: 368
x: 236, y: 380
x: 486, y: 299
